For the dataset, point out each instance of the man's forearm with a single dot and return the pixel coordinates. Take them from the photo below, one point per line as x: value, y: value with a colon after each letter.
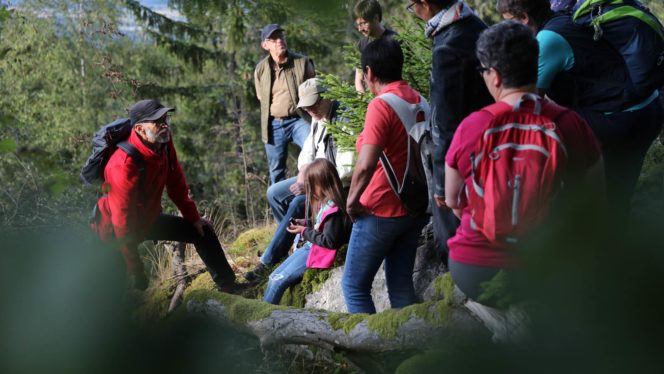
x: 359, y: 183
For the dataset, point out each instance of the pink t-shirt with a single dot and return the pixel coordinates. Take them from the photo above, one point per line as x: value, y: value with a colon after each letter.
x: 383, y: 128
x: 469, y: 246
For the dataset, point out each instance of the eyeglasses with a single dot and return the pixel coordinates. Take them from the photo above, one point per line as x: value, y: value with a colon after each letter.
x: 276, y: 36
x: 361, y: 24
x: 411, y: 7
x: 481, y: 69
x: 165, y: 120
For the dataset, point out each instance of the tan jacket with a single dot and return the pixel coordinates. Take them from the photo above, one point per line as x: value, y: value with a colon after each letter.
x: 296, y: 68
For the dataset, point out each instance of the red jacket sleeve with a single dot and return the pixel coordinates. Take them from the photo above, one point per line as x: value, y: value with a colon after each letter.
x: 177, y: 189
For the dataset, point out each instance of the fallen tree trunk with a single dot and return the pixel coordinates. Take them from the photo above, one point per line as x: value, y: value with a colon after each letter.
x: 393, y: 330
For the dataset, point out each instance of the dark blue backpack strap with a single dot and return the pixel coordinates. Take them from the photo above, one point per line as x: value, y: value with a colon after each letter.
x: 129, y: 149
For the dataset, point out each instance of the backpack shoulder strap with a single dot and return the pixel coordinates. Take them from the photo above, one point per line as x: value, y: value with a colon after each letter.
x: 406, y: 111
x: 129, y: 149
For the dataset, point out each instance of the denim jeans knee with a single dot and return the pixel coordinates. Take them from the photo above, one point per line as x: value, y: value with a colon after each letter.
x: 282, y: 239
x: 287, y: 274
x: 279, y: 197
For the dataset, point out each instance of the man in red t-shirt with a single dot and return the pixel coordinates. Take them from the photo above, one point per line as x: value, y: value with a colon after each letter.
x: 509, y: 74
x: 382, y: 229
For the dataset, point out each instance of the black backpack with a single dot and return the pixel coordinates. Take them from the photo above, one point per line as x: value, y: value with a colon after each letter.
x: 413, y: 189
x: 104, y: 142
x: 635, y: 33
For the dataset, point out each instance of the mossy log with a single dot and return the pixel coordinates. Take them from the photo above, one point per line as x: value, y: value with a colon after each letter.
x: 392, y: 330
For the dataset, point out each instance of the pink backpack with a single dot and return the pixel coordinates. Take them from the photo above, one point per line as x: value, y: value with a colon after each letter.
x: 516, y: 169
x: 321, y: 257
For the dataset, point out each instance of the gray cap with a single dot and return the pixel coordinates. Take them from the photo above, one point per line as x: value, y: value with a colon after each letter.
x: 309, y: 91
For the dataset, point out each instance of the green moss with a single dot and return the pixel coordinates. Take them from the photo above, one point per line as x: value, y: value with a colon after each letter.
x: 445, y: 286
x: 442, y: 286
x: 345, y: 321
x: 340, y: 259
x: 239, y: 309
x: 387, y: 323
x: 201, y: 282
x: 252, y: 241
x: 152, y: 305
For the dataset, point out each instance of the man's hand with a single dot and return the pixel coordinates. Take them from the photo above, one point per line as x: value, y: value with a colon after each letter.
x: 440, y: 201
x: 356, y: 210
x: 297, y: 188
x: 202, y: 223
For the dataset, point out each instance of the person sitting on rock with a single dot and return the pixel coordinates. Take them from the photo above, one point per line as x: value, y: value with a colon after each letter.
x: 287, y: 197
x: 324, y: 232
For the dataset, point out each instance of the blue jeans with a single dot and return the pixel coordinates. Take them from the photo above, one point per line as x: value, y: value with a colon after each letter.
x: 282, y: 240
x: 283, y: 132
x: 372, y: 240
x: 287, y: 274
x: 279, y: 197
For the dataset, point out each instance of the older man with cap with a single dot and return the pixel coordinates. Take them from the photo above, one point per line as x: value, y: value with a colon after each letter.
x: 135, y: 178
x: 277, y: 78
x: 287, y: 197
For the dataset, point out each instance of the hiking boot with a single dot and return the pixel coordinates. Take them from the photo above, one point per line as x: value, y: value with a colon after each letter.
x: 257, y: 273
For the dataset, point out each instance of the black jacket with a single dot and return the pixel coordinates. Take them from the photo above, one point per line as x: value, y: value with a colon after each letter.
x: 336, y: 231
x: 456, y: 89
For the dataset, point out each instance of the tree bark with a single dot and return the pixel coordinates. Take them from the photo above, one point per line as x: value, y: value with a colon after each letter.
x: 177, y: 251
x: 312, y: 327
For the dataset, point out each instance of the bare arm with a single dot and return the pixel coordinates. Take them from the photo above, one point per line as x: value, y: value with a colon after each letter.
x: 364, y: 170
x: 453, y: 185
x: 359, y: 81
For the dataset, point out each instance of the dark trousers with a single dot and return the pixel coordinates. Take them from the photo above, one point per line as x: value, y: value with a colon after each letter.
x: 625, y: 138
x: 469, y: 278
x: 445, y: 224
x: 177, y: 229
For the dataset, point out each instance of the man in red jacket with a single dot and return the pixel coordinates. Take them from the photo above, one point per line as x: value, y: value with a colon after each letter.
x: 131, y: 210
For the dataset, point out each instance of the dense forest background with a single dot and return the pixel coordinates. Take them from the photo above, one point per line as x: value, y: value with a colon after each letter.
x: 66, y: 68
